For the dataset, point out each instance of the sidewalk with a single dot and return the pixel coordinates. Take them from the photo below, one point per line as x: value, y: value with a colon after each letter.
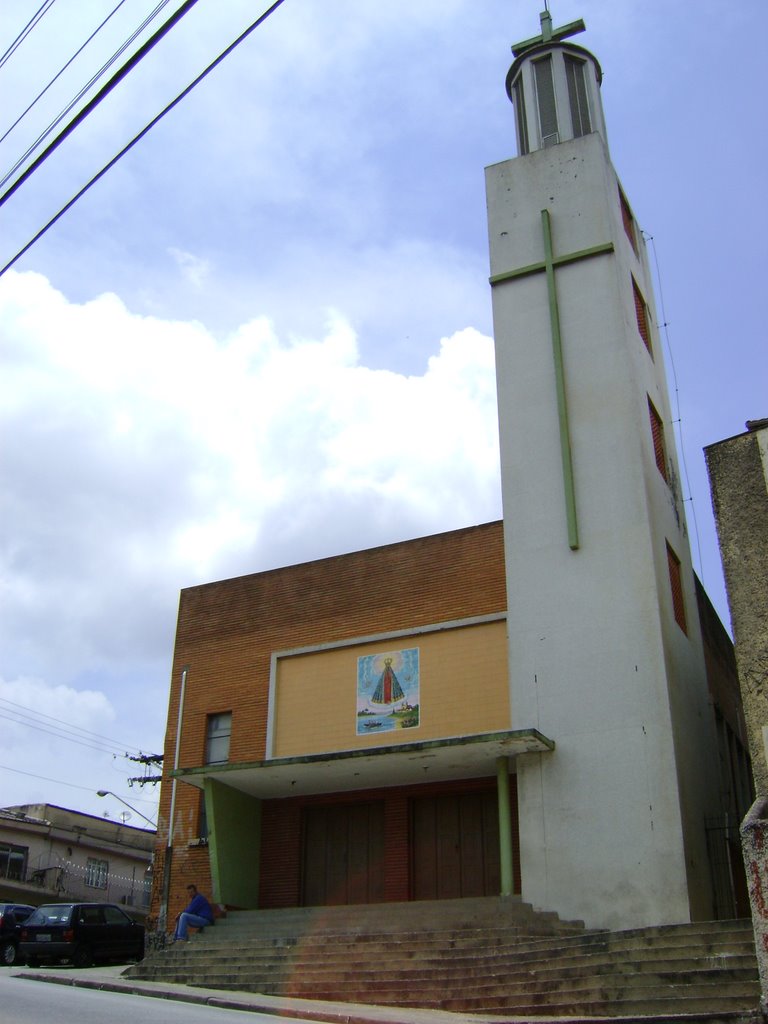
x: 110, y: 979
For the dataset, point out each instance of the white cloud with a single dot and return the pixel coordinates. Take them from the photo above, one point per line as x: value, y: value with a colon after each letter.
x: 148, y: 455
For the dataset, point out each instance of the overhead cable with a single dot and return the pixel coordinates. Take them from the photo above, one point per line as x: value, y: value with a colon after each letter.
x: 100, y: 95
x: 61, y: 72
x: 147, y: 128
x: 12, y: 708
x: 33, y: 21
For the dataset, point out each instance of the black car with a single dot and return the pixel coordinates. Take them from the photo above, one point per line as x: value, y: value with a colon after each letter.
x: 81, y: 933
x: 11, y: 917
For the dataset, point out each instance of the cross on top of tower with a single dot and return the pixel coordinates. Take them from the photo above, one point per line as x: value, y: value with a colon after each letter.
x: 549, y: 34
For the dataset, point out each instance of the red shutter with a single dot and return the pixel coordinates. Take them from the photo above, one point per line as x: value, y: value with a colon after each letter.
x: 641, y: 312
x: 676, y: 583
x: 659, y: 448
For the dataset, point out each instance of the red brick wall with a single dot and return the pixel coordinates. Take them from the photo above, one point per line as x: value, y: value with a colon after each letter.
x: 281, y: 837
x: 228, y: 630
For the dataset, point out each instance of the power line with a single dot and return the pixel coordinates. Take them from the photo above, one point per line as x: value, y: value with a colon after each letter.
x: 39, y: 14
x: 59, y: 782
x: 100, y: 95
x: 61, y: 71
x: 26, y: 712
x: 147, y: 128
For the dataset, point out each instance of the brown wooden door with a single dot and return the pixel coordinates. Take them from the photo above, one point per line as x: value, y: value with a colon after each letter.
x: 343, y: 854
x: 455, y: 850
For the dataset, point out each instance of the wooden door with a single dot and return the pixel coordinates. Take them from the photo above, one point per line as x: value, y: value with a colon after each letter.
x: 343, y: 854
x: 455, y: 848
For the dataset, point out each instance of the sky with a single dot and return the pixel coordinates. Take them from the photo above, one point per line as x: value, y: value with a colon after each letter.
x: 264, y: 336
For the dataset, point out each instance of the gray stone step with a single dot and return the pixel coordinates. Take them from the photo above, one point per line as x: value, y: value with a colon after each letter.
x: 464, y: 958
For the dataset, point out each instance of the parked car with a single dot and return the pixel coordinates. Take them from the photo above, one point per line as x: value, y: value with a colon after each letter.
x: 81, y: 933
x: 11, y: 917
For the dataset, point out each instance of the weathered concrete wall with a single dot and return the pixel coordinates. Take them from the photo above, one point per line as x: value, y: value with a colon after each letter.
x: 738, y: 471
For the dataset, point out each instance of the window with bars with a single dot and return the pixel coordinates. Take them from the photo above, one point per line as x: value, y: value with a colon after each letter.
x: 96, y: 873
x: 522, y: 124
x: 643, y: 319
x: 659, y: 445
x: 575, y: 71
x: 628, y: 220
x: 676, y: 585
x: 218, y: 732
x: 545, y: 98
x: 13, y: 861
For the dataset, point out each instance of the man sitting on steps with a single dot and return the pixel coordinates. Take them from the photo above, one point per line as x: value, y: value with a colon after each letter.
x: 197, y: 913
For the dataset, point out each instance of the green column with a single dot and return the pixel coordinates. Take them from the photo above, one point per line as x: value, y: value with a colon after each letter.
x: 505, y: 827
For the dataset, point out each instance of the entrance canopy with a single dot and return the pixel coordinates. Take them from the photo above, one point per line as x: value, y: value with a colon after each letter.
x: 460, y: 757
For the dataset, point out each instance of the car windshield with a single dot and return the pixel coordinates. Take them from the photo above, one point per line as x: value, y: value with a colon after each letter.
x: 58, y: 913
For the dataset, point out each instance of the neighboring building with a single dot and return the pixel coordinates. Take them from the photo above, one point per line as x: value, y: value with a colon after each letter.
x: 738, y: 475
x: 512, y: 708
x: 50, y: 854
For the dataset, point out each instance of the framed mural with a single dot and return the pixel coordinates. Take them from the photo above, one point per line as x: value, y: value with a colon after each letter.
x: 388, y: 691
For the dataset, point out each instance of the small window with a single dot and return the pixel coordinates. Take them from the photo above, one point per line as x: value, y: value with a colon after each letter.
x: 676, y: 584
x: 218, y: 731
x: 520, y: 119
x: 545, y: 97
x: 96, y: 873
x: 643, y: 320
x: 13, y: 861
x: 628, y: 220
x: 577, y: 95
x: 659, y: 446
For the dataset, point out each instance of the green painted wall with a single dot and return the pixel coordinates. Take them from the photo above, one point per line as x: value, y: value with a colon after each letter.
x: 234, y: 839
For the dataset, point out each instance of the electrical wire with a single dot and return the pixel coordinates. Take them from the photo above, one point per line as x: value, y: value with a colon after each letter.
x: 679, y: 420
x: 39, y: 14
x: 92, y: 104
x: 61, y: 72
x: 147, y: 128
x: 88, y: 734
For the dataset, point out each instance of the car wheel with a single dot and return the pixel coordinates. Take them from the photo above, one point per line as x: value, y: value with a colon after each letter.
x: 82, y: 957
x: 8, y: 954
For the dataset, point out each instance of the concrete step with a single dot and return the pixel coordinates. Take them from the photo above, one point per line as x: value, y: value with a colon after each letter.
x: 463, y: 958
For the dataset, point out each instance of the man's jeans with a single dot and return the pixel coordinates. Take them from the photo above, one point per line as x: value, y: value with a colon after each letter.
x: 185, y: 920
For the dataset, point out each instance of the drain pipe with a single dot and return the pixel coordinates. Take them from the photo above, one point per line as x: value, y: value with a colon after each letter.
x: 163, y: 917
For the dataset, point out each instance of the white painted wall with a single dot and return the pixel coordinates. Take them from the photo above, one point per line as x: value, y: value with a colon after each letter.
x: 612, y: 823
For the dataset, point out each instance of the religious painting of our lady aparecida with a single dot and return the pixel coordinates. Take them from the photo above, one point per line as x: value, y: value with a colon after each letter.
x: 388, y: 691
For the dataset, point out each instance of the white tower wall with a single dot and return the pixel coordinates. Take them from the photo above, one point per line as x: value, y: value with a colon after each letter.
x: 612, y: 822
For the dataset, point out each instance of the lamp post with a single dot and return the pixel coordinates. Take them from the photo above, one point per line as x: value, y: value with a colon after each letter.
x: 108, y: 792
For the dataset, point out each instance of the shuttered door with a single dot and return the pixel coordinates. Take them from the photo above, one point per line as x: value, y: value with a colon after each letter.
x: 455, y: 850
x: 343, y: 854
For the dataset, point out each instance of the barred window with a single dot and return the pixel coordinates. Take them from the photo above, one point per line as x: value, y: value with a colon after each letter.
x: 13, y: 861
x: 520, y: 118
x: 96, y: 873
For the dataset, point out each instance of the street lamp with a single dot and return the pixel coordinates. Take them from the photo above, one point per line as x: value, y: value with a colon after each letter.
x: 108, y: 792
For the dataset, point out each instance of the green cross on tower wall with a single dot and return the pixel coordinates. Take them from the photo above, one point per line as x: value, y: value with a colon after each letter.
x: 548, y: 265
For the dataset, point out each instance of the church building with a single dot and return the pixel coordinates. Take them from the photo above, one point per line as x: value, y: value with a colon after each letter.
x: 542, y: 708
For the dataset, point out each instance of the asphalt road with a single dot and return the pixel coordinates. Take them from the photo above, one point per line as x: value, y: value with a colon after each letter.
x: 35, y: 1002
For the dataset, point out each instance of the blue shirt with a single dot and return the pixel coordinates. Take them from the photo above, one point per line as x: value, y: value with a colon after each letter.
x: 200, y: 906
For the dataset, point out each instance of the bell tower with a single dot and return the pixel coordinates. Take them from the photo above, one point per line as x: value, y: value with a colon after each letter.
x: 605, y: 649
